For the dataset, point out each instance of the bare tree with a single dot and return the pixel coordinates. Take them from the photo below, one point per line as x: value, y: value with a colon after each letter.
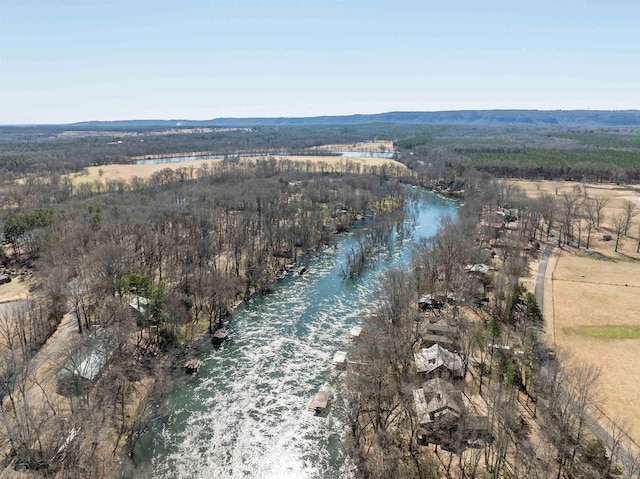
x: 589, y: 208
x: 629, y: 213
x: 618, y: 227
x: 600, y: 202
x: 569, y: 213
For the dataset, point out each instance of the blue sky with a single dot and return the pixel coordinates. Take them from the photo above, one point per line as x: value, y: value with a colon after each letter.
x: 74, y: 60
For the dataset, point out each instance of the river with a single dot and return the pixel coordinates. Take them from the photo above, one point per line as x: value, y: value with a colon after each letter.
x: 244, y: 414
x: 180, y: 159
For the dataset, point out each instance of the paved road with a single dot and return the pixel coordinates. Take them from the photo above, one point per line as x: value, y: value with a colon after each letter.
x: 542, y: 273
x: 624, y: 454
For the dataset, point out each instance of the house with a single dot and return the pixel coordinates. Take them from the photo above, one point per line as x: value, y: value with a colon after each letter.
x: 437, y: 361
x: 506, y: 216
x: 439, y: 408
x: 440, y: 327
x: 428, y: 340
x: 436, y: 398
x: 438, y: 332
x: 448, y: 416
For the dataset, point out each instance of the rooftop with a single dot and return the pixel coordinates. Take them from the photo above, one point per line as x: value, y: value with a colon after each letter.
x: 430, y: 359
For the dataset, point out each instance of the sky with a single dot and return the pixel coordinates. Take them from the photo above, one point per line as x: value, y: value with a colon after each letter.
x: 74, y: 60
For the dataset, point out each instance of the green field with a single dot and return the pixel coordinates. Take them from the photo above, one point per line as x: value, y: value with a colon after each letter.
x: 605, y: 332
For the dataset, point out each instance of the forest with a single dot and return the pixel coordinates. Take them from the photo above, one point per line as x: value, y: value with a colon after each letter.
x: 137, y: 271
x: 578, y: 153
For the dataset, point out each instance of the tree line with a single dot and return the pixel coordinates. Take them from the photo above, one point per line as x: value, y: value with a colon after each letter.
x: 139, y: 274
x: 539, y: 405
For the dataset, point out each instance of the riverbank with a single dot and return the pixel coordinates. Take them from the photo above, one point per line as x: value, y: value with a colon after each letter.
x: 126, y: 172
x: 277, y: 356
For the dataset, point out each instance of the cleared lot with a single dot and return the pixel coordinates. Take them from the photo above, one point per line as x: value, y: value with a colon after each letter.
x: 595, y: 312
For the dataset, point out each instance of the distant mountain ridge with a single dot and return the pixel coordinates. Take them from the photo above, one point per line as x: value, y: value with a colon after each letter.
x: 461, y: 117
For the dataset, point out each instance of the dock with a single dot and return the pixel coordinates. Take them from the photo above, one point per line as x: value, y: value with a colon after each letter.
x: 192, y: 366
x: 340, y: 360
x: 219, y: 336
x: 355, y: 332
x: 320, y: 404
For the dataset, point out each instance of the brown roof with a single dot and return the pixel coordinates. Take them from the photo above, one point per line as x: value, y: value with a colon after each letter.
x: 439, y: 327
x: 434, y: 338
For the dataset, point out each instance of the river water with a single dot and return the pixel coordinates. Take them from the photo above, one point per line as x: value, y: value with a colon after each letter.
x: 244, y: 414
x: 180, y: 159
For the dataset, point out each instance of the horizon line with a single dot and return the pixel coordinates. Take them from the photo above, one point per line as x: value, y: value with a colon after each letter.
x: 350, y: 115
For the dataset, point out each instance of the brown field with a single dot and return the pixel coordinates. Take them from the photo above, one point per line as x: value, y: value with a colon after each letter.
x: 599, y: 288
x: 370, y: 146
x: 17, y: 289
x: 126, y: 172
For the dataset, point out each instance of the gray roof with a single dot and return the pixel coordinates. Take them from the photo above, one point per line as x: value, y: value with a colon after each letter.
x: 90, y: 365
x: 479, y: 268
x: 430, y: 359
x: 139, y: 303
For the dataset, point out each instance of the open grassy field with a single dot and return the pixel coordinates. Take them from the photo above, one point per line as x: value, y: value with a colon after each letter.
x: 375, y: 146
x: 595, y: 312
x: 17, y: 289
x: 608, y: 332
x: 127, y: 171
x: 616, y: 194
